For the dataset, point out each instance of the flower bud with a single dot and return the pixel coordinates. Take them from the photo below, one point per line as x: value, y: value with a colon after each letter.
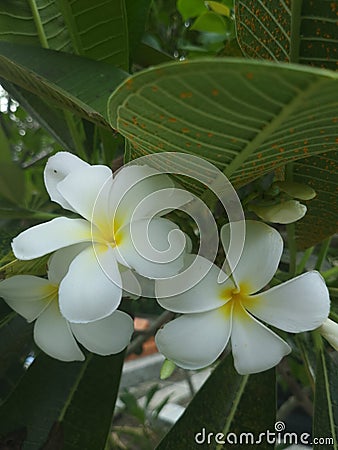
x: 296, y: 190
x: 329, y: 330
x: 285, y: 212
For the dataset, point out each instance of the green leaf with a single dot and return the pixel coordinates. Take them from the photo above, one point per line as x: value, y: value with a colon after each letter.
x: 325, y: 421
x: 96, y: 30
x: 219, y: 8
x: 321, y: 219
x: 298, y: 31
x: 190, y: 8
x: 66, y: 81
x: 132, y: 406
x: 254, y: 119
x: 256, y: 116
x: 137, y: 13
x: 53, y: 392
x: 226, y: 403
x: 210, y: 22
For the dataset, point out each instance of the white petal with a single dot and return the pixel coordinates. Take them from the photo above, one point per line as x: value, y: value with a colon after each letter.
x: 329, y: 330
x: 300, y: 304
x: 260, y: 257
x: 92, y: 288
x: 195, y: 289
x: 60, y: 260
x: 50, y: 236
x: 130, y: 284
x: 133, y: 184
x: 106, y: 336
x: 255, y: 348
x: 57, y: 168
x: 194, y: 341
x: 27, y: 295
x: 155, y: 248
x: 53, y: 335
x: 87, y: 190
x: 147, y: 286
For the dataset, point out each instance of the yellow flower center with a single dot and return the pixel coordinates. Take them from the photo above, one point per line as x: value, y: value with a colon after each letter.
x: 109, y: 234
x: 51, y: 292
x: 239, y: 297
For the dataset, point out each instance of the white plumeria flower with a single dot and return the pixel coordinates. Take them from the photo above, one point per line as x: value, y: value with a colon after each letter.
x: 329, y: 330
x: 216, y: 313
x: 36, y: 298
x: 116, y: 226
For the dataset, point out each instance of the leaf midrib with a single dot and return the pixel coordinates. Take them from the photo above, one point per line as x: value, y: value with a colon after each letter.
x: 261, y: 137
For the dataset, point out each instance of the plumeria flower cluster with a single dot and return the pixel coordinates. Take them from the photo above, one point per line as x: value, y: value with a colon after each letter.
x: 216, y: 313
x: 120, y: 232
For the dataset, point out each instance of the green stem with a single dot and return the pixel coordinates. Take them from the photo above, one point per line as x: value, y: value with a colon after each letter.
x: 304, y: 260
x: 38, y: 24
x: 290, y: 230
x: 322, y: 253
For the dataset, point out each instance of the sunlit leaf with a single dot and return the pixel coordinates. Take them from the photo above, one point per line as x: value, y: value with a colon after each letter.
x: 210, y: 22
x: 219, y: 8
x: 190, y: 8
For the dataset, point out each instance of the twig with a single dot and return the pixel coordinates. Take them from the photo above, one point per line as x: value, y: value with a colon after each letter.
x: 161, y: 320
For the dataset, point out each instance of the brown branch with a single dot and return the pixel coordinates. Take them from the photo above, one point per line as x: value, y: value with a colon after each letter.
x: 156, y: 325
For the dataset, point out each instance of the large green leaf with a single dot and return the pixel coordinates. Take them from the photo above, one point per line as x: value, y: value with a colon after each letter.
x: 227, y: 403
x: 96, y: 30
x: 293, y: 30
x: 48, y: 399
x: 246, y: 117
x: 325, y: 422
x: 321, y: 219
x: 67, y: 81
